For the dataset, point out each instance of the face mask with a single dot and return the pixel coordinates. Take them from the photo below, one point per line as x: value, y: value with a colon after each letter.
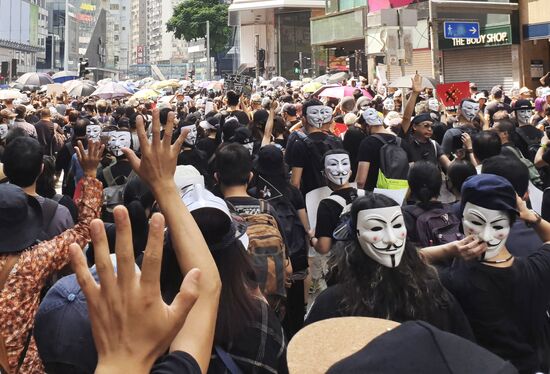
x: 93, y: 132
x: 338, y: 168
x: 382, y: 234
x: 249, y: 146
x: 3, y: 131
x: 524, y: 115
x: 119, y: 140
x: 372, y: 118
x: 490, y: 226
x: 469, y: 110
x: 192, y: 135
x: 318, y: 115
x: 433, y: 105
x: 389, y: 104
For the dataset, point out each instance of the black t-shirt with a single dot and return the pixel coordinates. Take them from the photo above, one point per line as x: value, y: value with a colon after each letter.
x: 328, y: 213
x: 529, y: 132
x: 120, y: 170
x: 208, y: 146
x: 196, y: 158
x: 506, y: 306
x: 301, y: 157
x: 177, y: 362
x: 369, y: 151
x: 423, y: 151
x: 451, y: 319
x: 495, y: 106
x: 241, y: 116
x: 352, y: 140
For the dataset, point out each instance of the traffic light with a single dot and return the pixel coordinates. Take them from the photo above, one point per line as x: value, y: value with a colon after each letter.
x: 261, y: 60
x: 82, y: 65
x: 296, y: 67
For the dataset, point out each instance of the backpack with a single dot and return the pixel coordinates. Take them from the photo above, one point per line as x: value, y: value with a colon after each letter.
x: 113, y: 195
x: 316, y: 152
x: 342, y: 231
x: 533, y: 143
x: 49, y: 207
x: 266, y: 248
x: 534, y: 175
x: 435, y: 226
x: 394, y: 165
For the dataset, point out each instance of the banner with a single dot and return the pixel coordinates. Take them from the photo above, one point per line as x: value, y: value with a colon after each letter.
x: 241, y: 84
x: 451, y: 94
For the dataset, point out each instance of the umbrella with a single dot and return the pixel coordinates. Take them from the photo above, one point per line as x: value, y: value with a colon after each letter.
x: 172, y: 83
x: 296, y: 84
x: 78, y: 88
x: 406, y: 82
x: 312, y: 87
x: 10, y: 94
x: 266, y: 84
x: 307, y: 80
x: 34, y: 79
x: 101, y: 82
x: 64, y: 76
x: 111, y: 90
x: 129, y: 86
x: 146, y: 94
x: 338, y: 77
x: 341, y: 91
x: 216, y: 86
x: 278, y: 81
x: 322, y: 79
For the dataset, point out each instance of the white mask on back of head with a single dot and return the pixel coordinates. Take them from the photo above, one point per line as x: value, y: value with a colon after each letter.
x: 318, y: 115
x: 382, y: 234
x: 489, y: 226
x: 372, y: 118
x: 338, y: 168
x: 433, y: 105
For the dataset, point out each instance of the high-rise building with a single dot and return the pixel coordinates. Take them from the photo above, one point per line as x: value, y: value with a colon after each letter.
x: 23, y: 35
x: 138, y: 32
x: 118, y: 36
x: 162, y: 46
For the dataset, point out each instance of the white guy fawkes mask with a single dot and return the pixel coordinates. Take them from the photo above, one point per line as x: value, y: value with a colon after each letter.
x: 119, y: 140
x: 433, y: 105
x: 382, y: 234
x: 469, y: 110
x: 192, y: 135
x: 3, y: 131
x: 338, y: 168
x: 372, y: 118
x: 389, y: 104
x: 490, y: 226
x: 249, y: 144
x: 524, y: 115
x: 318, y: 115
x: 93, y: 132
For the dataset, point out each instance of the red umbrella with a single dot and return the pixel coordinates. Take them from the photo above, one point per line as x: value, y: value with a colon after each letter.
x: 340, y: 92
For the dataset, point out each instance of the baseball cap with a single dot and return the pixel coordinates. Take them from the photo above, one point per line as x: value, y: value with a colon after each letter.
x: 393, y: 118
x: 350, y: 119
x: 490, y: 192
x: 480, y: 95
x: 496, y: 91
x: 422, y: 118
x: 187, y: 175
x: 473, y: 85
x: 270, y: 161
x: 524, y: 90
x: 522, y: 104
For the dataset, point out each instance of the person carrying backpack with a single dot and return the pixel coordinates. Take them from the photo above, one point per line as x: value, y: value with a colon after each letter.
x: 266, y: 242
x: 383, y: 163
x: 529, y: 137
x: 429, y: 222
x: 307, y: 150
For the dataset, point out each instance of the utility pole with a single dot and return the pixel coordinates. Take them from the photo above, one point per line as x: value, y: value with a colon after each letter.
x: 400, y: 44
x: 301, y: 66
x: 208, y: 62
x: 66, y: 36
x: 434, y: 44
x: 256, y: 49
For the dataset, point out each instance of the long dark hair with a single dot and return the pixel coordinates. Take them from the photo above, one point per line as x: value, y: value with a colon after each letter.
x: 408, y: 292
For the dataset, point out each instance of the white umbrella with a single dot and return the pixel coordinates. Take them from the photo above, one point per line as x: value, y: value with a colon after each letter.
x: 338, y: 77
x: 406, y: 82
x: 278, y: 81
x: 111, y: 90
x: 10, y: 94
x: 322, y: 79
x: 64, y: 76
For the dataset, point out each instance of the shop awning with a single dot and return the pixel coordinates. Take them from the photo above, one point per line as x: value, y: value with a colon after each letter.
x: 462, y: 6
x: 270, y: 4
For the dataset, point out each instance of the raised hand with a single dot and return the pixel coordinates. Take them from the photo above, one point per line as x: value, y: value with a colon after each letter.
x: 131, y: 324
x: 417, y: 83
x: 90, y: 158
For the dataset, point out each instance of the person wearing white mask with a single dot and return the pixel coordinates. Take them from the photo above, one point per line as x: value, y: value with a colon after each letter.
x: 380, y: 274
x: 337, y: 173
x: 504, y: 297
x: 468, y: 111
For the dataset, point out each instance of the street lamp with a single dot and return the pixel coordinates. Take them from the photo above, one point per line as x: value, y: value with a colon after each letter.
x: 53, y: 36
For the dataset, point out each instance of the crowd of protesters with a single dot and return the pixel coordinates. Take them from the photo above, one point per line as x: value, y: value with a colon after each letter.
x: 206, y: 232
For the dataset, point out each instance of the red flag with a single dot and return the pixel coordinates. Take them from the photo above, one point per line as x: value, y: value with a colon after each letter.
x: 400, y: 3
x: 451, y: 94
x: 375, y: 5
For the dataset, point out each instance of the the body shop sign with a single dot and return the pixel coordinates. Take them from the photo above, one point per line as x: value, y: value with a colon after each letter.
x: 489, y: 37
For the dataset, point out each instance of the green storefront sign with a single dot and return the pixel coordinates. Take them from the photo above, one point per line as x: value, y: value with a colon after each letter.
x: 490, y: 36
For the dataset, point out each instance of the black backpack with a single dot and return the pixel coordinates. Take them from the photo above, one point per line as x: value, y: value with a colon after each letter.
x: 316, y: 152
x: 533, y: 143
x: 394, y: 162
x: 435, y: 226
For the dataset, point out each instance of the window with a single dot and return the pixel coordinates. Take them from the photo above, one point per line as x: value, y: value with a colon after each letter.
x: 114, y: 6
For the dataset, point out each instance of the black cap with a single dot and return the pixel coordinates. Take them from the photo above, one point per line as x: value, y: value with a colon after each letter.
x: 270, y: 161
x: 490, y: 192
x: 523, y: 105
x: 416, y: 347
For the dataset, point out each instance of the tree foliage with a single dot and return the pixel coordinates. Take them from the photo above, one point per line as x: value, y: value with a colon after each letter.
x: 189, y: 22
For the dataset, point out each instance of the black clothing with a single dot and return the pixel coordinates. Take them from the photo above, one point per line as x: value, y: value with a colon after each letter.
x: 177, y: 362
x: 208, y: 146
x: 328, y: 213
x: 196, y: 158
x: 496, y: 106
x: 451, y: 319
x: 506, y: 306
x: 240, y: 115
x: 522, y: 240
x: 119, y: 169
x: 423, y: 151
x: 369, y: 151
x: 44, y: 132
x: 529, y: 132
x: 352, y: 140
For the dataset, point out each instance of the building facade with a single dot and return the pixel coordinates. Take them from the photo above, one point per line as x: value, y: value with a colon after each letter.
x: 138, y: 32
x: 283, y: 30
x: 161, y: 45
x: 535, y: 41
x: 23, y: 36
x: 118, y: 36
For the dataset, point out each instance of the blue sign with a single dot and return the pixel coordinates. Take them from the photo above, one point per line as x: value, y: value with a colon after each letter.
x: 461, y: 30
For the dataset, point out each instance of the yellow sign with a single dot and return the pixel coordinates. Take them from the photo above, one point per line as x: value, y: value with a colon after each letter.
x: 89, y: 7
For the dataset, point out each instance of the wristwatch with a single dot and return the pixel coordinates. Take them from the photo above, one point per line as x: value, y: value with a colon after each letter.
x: 535, y: 223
